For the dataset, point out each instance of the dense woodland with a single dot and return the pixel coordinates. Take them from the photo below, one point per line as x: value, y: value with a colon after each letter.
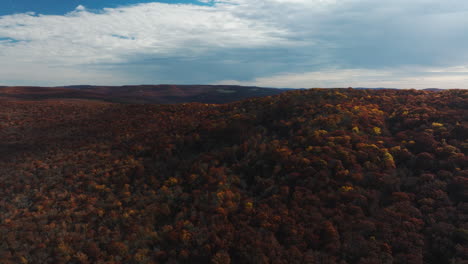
x: 137, y: 94
x: 310, y: 176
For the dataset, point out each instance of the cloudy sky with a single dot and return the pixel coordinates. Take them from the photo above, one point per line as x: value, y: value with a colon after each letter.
x: 273, y: 43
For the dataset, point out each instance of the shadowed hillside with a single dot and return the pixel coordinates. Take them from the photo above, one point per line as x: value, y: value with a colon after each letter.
x: 310, y: 176
x: 161, y: 94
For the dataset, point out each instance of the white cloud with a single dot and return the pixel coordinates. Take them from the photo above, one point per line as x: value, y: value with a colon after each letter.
x: 115, y: 35
x: 80, y: 8
x: 257, y: 38
x: 407, y: 77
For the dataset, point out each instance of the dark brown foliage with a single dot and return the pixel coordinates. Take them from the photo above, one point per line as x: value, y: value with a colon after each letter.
x: 311, y: 176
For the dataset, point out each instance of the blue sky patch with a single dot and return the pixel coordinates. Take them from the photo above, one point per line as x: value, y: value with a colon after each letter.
x: 8, y: 40
x: 60, y: 7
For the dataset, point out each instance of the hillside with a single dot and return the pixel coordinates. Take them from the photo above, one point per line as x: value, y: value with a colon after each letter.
x: 161, y: 94
x: 310, y: 176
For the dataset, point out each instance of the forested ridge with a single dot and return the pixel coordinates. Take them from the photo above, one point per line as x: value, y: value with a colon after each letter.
x: 307, y: 176
x: 140, y: 94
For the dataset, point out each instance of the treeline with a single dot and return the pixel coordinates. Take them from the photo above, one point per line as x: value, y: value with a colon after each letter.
x: 309, y: 176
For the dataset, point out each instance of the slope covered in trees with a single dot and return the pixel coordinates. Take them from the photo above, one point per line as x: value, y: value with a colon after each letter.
x: 161, y: 94
x: 311, y: 176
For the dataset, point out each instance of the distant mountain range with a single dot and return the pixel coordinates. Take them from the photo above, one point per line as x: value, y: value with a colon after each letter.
x: 161, y: 94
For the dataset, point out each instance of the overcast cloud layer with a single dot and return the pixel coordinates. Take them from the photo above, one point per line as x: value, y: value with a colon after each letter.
x: 274, y: 43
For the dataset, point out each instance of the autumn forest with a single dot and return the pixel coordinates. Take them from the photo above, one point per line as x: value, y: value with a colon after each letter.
x: 305, y: 176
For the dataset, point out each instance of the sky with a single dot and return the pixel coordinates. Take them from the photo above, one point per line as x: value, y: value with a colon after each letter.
x: 270, y: 43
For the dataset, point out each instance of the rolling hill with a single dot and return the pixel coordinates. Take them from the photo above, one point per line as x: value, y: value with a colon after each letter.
x: 307, y: 176
x: 161, y: 94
